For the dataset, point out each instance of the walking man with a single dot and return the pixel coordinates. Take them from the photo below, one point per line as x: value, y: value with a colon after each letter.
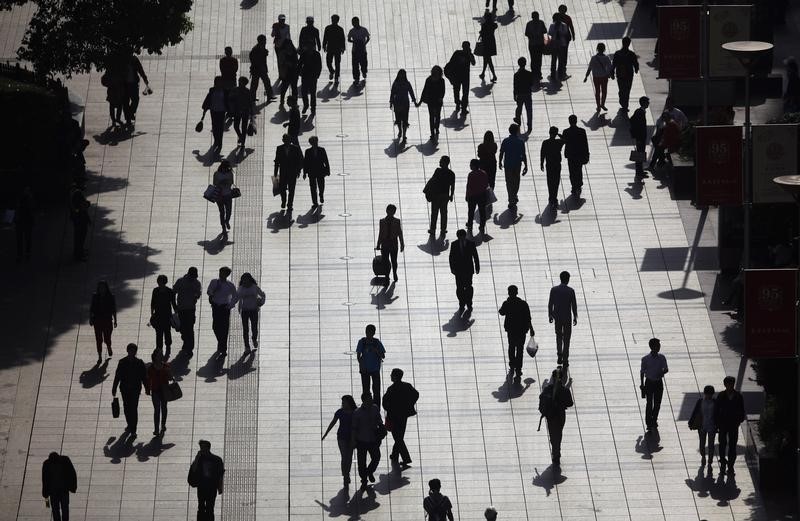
x: 359, y: 37
x: 390, y: 233
x: 517, y: 323
x: 535, y: 31
x: 206, y: 474
x: 309, y: 35
x: 58, y: 480
x: 559, y: 41
x: 638, y: 129
x: 399, y: 402
x: 728, y: 415
x: 221, y: 293
x: 228, y: 69
x: 259, y: 70
x: 241, y: 103
x: 437, y: 506
x: 288, y: 163
x: 553, y: 403
x: 439, y: 192
x: 188, y: 291
x: 130, y: 376
x: 281, y: 34
x: 654, y: 367
x: 551, y: 155
x: 133, y: 71
x: 512, y: 149
x: 162, y: 303
x: 310, y: 69
x: 457, y: 72
x: 464, y: 263
x: 316, y: 167
x: 562, y: 309
x: 523, y: 85
x: 366, y: 422
x: 333, y: 43
x: 624, y: 65
x: 370, y: 354
x: 477, y: 190
x: 576, y: 150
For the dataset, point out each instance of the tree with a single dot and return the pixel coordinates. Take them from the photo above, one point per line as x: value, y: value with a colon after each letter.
x: 75, y: 36
x: 8, y: 4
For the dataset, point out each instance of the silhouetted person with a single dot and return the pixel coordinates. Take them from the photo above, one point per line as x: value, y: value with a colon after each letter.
x: 551, y: 156
x: 293, y: 125
x: 58, y: 480
x: 259, y: 69
x: 464, y: 263
x: 576, y: 150
x: 487, y: 38
x: 517, y: 323
x: 188, y: 291
x: 317, y: 168
x: 439, y: 192
x: 554, y: 400
x: 457, y: 72
x: 228, y: 70
x: 567, y: 20
x: 437, y: 506
x: 651, y: 375
x: 359, y: 37
x: 523, y: 87
x: 130, y: 377
x: 114, y: 82
x: 103, y: 317
x: 23, y: 223
x: 158, y: 376
x: 221, y: 293
x: 133, y: 70
x: 310, y: 70
x: 344, y: 434
x: 728, y: 415
x: 535, y: 31
x: 638, y: 130
x: 206, y: 472
x: 288, y: 71
x: 162, y: 302
x: 223, y: 180
x: 241, y: 103
x: 281, y: 33
x: 216, y: 102
x: 370, y: 354
x: 366, y: 421
x: 249, y: 299
x: 625, y: 64
x: 333, y: 43
x: 433, y: 97
x: 512, y: 150
x: 477, y: 190
x: 390, y: 236
x: 399, y: 96
x: 79, y: 215
x: 309, y: 35
x: 562, y: 308
x: 288, y: 163
x: 702, y: 420
x: 667, y: 135
x: 399, y: 401
x: 559, y: 42
x: 487, y: 155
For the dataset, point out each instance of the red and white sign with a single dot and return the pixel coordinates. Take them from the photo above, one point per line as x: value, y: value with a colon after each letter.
x: 770, y: 317
x: 718, y: 156
x: 679, y: 42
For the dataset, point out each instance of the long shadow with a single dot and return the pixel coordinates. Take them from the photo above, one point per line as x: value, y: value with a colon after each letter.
x: 702, y: 482
x: 506, y: 219
x: 280, y: 116
x: 434, y: 247
x: 597, y: 120
x: 395, y: 148
x: 103, y: 185
x: 363, y: 501
x: 214, y: 368
x: 248, y: 4
x: 455, y: 121
x: 458, y: 323
x: 312, y: 216
x: 243, y: 366
x: 648, y: 444
x: 237, y: 155
x: 113, y: 137
x: 391, y: 481
x: 208, y: 157
x: 338, y: 505
x: 482, y: 90
x: 215, y: 245
x: 355, y: 90
x: 180, y: 365
x: 328, y: 92
x: 724, y: 490
x: 278, y: 221
x: 153, y: 449
x: 307, y: 123
x: 547, y: 217
x: 507, y: 18
x: 635, y: 188
x: 94, y: 376
x: 547, y: 479
x: 428, y: 148
x: 552, y: 87
x: 511, y: 388
x: 384, y: 296
x: 117, y: 448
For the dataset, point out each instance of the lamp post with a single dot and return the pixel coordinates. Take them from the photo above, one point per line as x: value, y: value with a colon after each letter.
x: 747, y: 52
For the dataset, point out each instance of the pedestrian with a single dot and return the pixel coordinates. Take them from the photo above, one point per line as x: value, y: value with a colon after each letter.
x: 130, y: 377
x: 728, y: 415
x: 476, y: 196
x: 398, y: 402
x: 517, y: 323
x: 488, y: 44
x: 562, y: 308
x: 512, y: 149
x: 309, y: 35
x: 366, y: 423
x: 159, y: 375
x: 228, y: 70
x: 223, y: 180
x: 310, y: 66
x: 791, y: 95
x: 559, y: 41
x: 23, y: 223
x: 259, y: 70
x: 221, y: 293
x: 437, y: 506
x: 601, y: 69
x: 113, y: 79
x: 58, y: 480
x: 344, y: 434
x: 439, y: 192
x: 370, y: 353
x: 359, y: 37
x: 576, y: 150
x: 390, y: 235
x: 535, y: 31
x: 703, y: 421
x: 281, y: 34
x: 399, y: 94
x: 241, y: 103
x: 333, y: 43
x: 133, y: 70
x: 623, y: 66
x: 567, y: 20
x: 651, y: 375
x: 464, y: 263
x: 487, y: 155
x: 295, y: 119
x: 457, y: 72
x: 490, y: 514
x: 638, y: 130
x: 162, y: 303
x: 668, y: 143
x: 433, y: 97
x: 188, y: 291
x: 288, y: 163
x: 249, y: 298
x: 523, y: 87
x: 103, y: 317
x: 206, y: 472
x: 288, y: 71
x: 554, y: 400
x: 317, y: 168
x: 216, y: 102
x: 551, y: 156
x: 79, y: 215
x: 677, y: 115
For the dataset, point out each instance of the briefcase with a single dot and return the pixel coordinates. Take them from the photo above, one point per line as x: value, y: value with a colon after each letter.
x: 115, y: 407
x: 276, y: 185
x: 638, y: 157
x: 173, y: 392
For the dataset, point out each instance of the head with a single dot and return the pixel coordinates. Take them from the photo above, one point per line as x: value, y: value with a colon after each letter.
x: 205, y: 446
x: 513, y: 129
x: 228, y: 51
x: 286, y: 139
x: 391, y: 210
x: 553, y: 131
x: 573, y: 120
x: 708, y: 392
x: 562, y: 9
x: 436, y: 72
x: 513, y: 291
x: 490, y: 514
x: 192, y: 272
x: 667, y: 116
x: 601, y: 48
x: 131, y: 349
x: 102, y: 288
x: 161, y: 280
x: 348, y: 403
x: 535, y: 16
x: 246, y: 280
x: 564, y: 276
x: 461, y: 234
x: 556, y: 17
x: 335, y: 19
x: 626, y: 42
x: 487, y: 16
x: 53, y: 456
x: 729, y: 382
x: 261, y: 39
x: 396, y: 375
x: 309, y: 21
x: 488, y: 137
x: 355, y: 21
x: 281, y: 19
x: 655, y: 345
x: 243, y: 81
x: 444, y: 161
x: 556, y: 377
x: 466, y: 46
x: 474, y: 164
x: 522, y: 61
x: 644, y: 102
x: 156, y: 358
x: 366, y: 399
x: 224, y: 272
x: 217, y: 82
x: 401, y: 75
x: 435, y: 485
x: 370, y: 330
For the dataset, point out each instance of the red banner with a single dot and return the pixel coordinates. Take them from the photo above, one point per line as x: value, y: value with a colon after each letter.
x: 718, y: 156
x: 679, y: 46
x: 770, y: 317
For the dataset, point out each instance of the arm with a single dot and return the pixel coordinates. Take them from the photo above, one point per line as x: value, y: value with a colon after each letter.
x: 330, y: 426
x: 173, y: 300
x: 44, y: 481
x: 530, y: 322
x: 666, y: 367
x: 277, y: 163
x: 477, y: 261
x: 116, y: 381
x: 92, y: 310
x: 502, y: 309
x: 641, y: 374
x: 153, y: 302
x: 367, y: 40
x: 472, y: 58
x: 452, y: 186
x: 550, y: 306
x: 316, y: 38
x: 140, y: 71
x: 541, y: 157
x: 400, y: 236
x: 574, y: 304
x: 501, y: 156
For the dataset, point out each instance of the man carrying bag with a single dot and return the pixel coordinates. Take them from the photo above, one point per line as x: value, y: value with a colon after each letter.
x: 206, y: 474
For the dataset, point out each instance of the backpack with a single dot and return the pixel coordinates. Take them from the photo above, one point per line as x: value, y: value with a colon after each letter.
x: 547, y: 406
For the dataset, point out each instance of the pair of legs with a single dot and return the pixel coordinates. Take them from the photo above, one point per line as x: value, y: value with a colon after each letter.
x: 390, y: 256
x: 59, y: 504
x: 317, y: 183
x: 102, y: 333
x: 163, y: 336
x: 464, y: 290
x: 131, y: 103
x: 563, y: 334
x: 187, y: 318
x: 600, y: 91
x: 553, y: 180
x: 206, y: 498
x: 491, y: 171
x: 641, y: 148
x: 575, y: 175
x: 434, y: 118
x: 286, y: 84
x: 527, y: 102
x: 159, y: 411
x: 346, y: 452
x: 516, y: 345
x: 264, y: 77
x: 240, y: 124
x: 287, y: 192
x: 653, y: 391
x: 362, y: 449
x: 130, y: 406
x: 487, y: 62
x: 221, y: 323
x: 480, y: 203
x: 375, y: 389
x: 359, y: 64
x: 334, y: 62
x: 217, y: 127
x: 708, y: 437
x: 115, y: 113
x: 536, y: 60
x: 308, y: 89
x: 225, y: 207
x: 728, y: 438
x: 250, y: 324
x: 401, y: 120
x: 439, y: 208
x: 512, y: 184
x: 624, y: 84
x: 555, y: 428
x: 398, y: 434
x: 558, y: 63
x: 461, y: 93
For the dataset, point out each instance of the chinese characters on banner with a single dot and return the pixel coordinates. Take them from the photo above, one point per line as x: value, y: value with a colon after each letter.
x: 728, y: 23
x: 770, y: 314
x: 718, y: 155
x: 679, y: 42
x: 775, y: 153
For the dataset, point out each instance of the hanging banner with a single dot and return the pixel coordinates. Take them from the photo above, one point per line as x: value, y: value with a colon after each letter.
x: 770, y: 317
x: 775, y: 153
x: 679, y: 42
x: 728, y: 23
x: 718, y: 157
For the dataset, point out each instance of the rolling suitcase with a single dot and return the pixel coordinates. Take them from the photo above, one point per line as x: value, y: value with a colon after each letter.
x: 380, y: 266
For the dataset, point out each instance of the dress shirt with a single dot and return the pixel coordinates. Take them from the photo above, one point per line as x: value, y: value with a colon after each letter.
x: 654, y: 366
x: 221, y: 292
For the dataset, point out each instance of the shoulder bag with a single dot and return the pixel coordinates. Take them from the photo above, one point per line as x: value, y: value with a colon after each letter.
x: 173, y: 391
x: 235, y: 192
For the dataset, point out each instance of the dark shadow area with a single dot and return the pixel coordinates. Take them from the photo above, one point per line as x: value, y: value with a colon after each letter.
x: 643, y: 22
x: 214, y: 368
x: 606, y: 31
x: 724, y: 489
x: 396, y: 148
x: 482, y: 90
x: 548, y: 479
x: 634, y: 189
x: 552, y: 87
x: 117, y: 448
x: 458, y: 323
x: 363, y: 501
x: 597, y: 120
x: 114, y: 136
x: 512, y: 388
x: 434, y: 246
x: 237, y: 155
x: 391, y: 481
x: 428, y: 148
x: 307, y: 122
x: 338, y: 505
x: 103, y: 185
x: 379, y: 281
x: 180, y: 365
x: 676, y: 258
x: 248, y: 4
x: 648, y: 444
x: 95, y: 375
x: 384, y: 296
x: 328, y: 92
x: 506, y: 18
x: 455, y: 121
x: 506, y: 219
x: 356, y: 89
x: 278, y: 221
x: 547, y: 217
x: 312, y: 216
x: 215, y: 245
x: 280, y: 116
x: 208, y: 158
x: 753, y: 401
x: 242, y: 366
x: 153, y: 449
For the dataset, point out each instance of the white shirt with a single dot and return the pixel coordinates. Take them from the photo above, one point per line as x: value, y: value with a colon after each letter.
x: 221, y: 292
x: 654, y: 367
x: 248, y: 297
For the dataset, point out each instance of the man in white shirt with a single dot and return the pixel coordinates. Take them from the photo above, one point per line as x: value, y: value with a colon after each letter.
x: 359, y: 37
x: 221, y: 293
x: 654, y: 367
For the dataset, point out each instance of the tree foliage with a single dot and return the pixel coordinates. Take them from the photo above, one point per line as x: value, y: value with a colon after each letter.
x: 8, y: 4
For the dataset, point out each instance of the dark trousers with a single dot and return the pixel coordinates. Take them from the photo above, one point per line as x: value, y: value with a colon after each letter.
x: 206, y: 497
x: 728, y: 438
x: 240, y: 124
x: 555, y: 428
x: 24, y: 233
x: 308, y: 89
x: 461, y: 93
x: 264, y: 77
x: 187, y: 318
x: 516, y: 345
x: 640, y: 147
x: 653, y: 391
x: 439, y: 208
x: 480, y: 202
x: 464, y: 289
x: 375, y: 377
x: 575, y: 175
x: 130, y: 406
x: 80, y: 230
x: 398, y: 434
x: 563, y: 334
x: 131, y: 103
x: 250, y: 324
x: 159, y: 409
x: 558, y: 63
x: 434, y: 117
x: 59, y: 504
x: 390, y: 256
x: 491, y: 172
x: 102, y: 333
x: 374, y: 451
x: 163, y: 335
x: 553, y: 180
x: 225, y: 207
x: 624, y: 85
x: 512, y: 184
x: 707, y: 440
x: 221, y: 323
x: 346, y: 451
x: 287, y: 84
x: 287, y: 191
x: 536, y: 60
x: 317, y: 182
x: 334, y: 62
x: 527, y: 101
x: 217, y: 127
x: 359, y: 63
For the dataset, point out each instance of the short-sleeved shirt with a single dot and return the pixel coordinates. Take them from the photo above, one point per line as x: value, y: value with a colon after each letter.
x: 345, y: 429
x: 653, y: 367
x: 437, y: 506
x: 359, y: 37
x: 513, y: 150
x: 370, y: 351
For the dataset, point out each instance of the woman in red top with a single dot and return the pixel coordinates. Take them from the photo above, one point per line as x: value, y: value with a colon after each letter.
x: 477, y: 186
x: 671, y: 137
x: 158, y: 377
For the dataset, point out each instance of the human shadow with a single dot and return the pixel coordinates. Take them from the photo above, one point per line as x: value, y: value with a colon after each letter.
x: 507, y: 18
x: 702, y: 482
x: 434, y: 246
x: 552, y: 87
x: 482, y: 90
x: 396, y: 148
x: 237, y: 155
x: 572, y: 202
x: 105, y: 184
x: 458, y: 323
x: 548, y: 479
x: 280, y: 116
x: 278, y: 221
x: 724, y: 490
x: 456, y: 121
x: 391, y: 481
x: 328, y: 92
x: 208, y: 158
x: 547, y: 217
x: 356, y: 89
x: 506, y: 219
x: 648, y: 444
x: 153, y: 449
x: 428, y: 148
x: 363, y: 501
x: 113, y: 136
x: 247, y: 4
x: 635, y: 188
x: 243, y: 366
x: 95, y: 375
x: 384, y: 296
x: 307, y: 123
x: 214, y: 368
x: 597, y: 120
x: 511, y: 388
x: 338, y: 505
x: 215, y: 245
x: 117, y: 448
x: 179, y: 366
x: 381, y: 280
x: 312, y: 216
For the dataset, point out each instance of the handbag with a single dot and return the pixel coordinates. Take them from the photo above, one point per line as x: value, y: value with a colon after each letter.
x: 115, y: 407
x: 211, y: 194
x: 173, y: 392
x: 251, y: 128
x: 490, y: 197
x: 480, y: 48
x: 638, y: 157
x: 380, y: 432
x: 276, y: 185
x: 235, y: 192
x: 175, y: 322
x: 532, y: 348
x: 199, y: 126
x: 387, y: 424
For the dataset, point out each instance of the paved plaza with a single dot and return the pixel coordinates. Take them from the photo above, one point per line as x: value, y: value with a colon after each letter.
x: 475, y: 431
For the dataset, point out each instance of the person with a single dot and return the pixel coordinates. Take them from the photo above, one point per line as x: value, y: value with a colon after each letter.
x: 221, y: 293
x: 439, y: 191
x: 359, y: 37
x: 158, y: 376
x: 390, y: 234
x: 517, y: 322
x: 487, y: 155
x: 223, y: 180
x: 228, y: 70
x: 309, y: 35
x: 550, y: 155
x: 310, y: 69
x: 259, y: 70
x: 281, y: 34
x: 601, y: 69
x: 216, y: 101
x: 676, y: 115
x: 623, y: 66
x: 651, y: 375
x: 398, y: 402
x: 293, y: 125
x: 23, y: 223
x: 437, y: 506
x: 130, y: 377
x: 241, y: 103
x: 133, y: 70
x: 433, y: 97
x: 206, y: 472
x: 562, y: 308
x: 369, y: 353
x: 669, y: 141
x: 791, y: 95
x: 249, y: 298
x: 523, y: 86
x: 702, y: 420
x: 476, y: 196
x: 512, y: 149
x: 344, y: 433
x: 317, y: 168
x: 487, y: 38
x: 103, y: 317
x: 728, y: 415
x: 457, y: 72
x: 554, y: 400
x: 559, y: 41
x: 366, y: 421
x: 79, y: 215
x: 162, y: 303
x: 576, y: 150
x: 638, y: 130
x: 333, y: 43
x: 464, y: 263
x: 535, y: 30
x: 288, y: 163
x: 288, y: 72
x: 490, y: 514
x: 399, y: 94
x: 567, y: 20
x: 188, y: 291
x: 113, y: 79
x: 58, y: 480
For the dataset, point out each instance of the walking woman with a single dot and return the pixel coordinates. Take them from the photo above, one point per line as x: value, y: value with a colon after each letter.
x: 223, y: 180
x: 487, y: 155
x: 114, y: 83
x: 433, y: 96
x: 216, y: 101
x: 345, y: 418
x: 487, y: 38
x: 158, y: 376
x: 250, y: 299
x: 103, y: 317
x: 477, y: 186
x: 162, y: 304
x: 398, y: 100
x: 600, y: 67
